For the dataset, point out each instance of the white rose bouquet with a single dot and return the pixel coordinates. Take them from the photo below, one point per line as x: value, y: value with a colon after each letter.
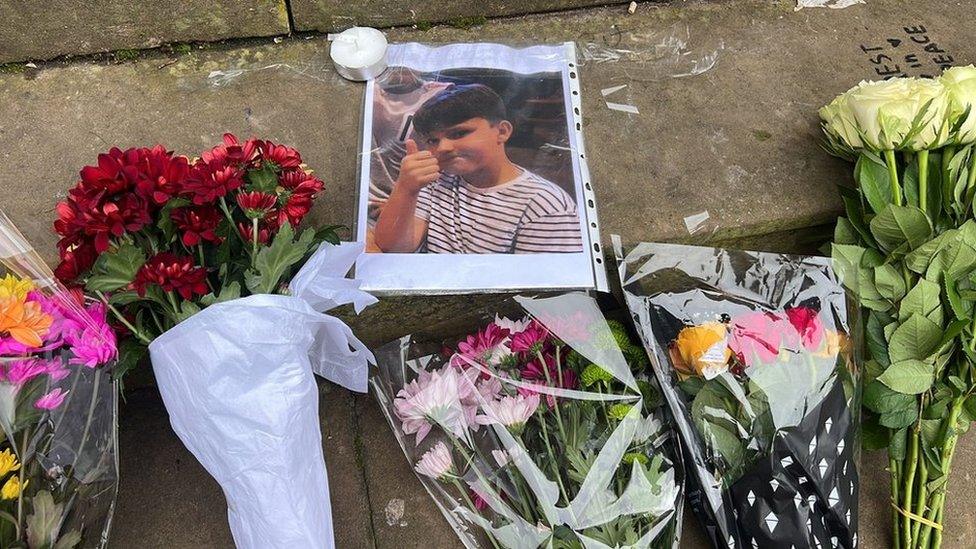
x: 907, y: 249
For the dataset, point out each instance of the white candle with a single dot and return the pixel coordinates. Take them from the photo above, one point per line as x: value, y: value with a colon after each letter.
x: 359, y: 53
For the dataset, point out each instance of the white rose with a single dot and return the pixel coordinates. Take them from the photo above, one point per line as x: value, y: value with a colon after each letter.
x: 839, y: 124
x: 932, y: 96
x: 885, y: 111
x: 960, y: 82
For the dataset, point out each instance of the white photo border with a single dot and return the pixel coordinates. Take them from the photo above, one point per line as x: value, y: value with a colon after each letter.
x: 410, y: 273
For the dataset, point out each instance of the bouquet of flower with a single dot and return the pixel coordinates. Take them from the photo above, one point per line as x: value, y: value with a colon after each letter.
x: 537, y: 430
x: 754, y: 359
x: 58, y: 454
x: 907, y: 249
x: 200, y: 261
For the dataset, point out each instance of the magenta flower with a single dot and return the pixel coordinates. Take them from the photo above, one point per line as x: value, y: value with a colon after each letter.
x: 55, y: 369
x: 807, y: 323
x: 758, y: 336
x: 93, y: 343
x: 487, y: 347
x: 530, y: 340
x: 551, y: 376
x: 51, y: 400
x: 20, y: 372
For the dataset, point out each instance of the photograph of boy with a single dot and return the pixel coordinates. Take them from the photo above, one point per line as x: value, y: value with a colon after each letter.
x: 458, y: 192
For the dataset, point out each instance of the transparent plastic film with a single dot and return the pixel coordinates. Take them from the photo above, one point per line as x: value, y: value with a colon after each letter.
x: 541, y: 429
x: 754, y: 355
x: 58, y: 406
x: 473, y: 175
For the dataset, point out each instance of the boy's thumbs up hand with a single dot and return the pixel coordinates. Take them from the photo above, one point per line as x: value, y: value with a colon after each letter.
x: 411, y: 146
x: 417, y: 169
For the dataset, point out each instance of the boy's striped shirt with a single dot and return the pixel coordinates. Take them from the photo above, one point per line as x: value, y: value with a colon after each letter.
x: 526, y: 215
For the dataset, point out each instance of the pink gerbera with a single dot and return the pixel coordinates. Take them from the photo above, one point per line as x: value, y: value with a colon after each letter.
x: 51, y: 400
x: 758, y: 336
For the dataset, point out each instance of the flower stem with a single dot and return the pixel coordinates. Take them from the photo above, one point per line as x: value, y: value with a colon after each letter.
x: 254, y: 240
x: 948, y: 450
x: 139, y: 335
x: 20, y: 495
x: 552, y: 455
x: 923, y: 181
x: 893, y: 177
x: 555, y: 403
x: 474, y: 509
x: 230, y: 219
x: 88, y: 420
x: 909, y: 480
x: 895, y: 474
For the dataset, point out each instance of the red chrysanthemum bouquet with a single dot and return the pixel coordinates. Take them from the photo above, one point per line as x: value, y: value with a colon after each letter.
x: 158, y: 237
x: 201, y: 262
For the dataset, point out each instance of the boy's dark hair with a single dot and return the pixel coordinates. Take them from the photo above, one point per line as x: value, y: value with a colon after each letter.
x: 458, y: 103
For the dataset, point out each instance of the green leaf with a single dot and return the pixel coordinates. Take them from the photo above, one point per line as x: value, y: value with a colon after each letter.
x: 889, y: 282
x: 274, y: 261
x: 227, y: 293
x: 847, y: 263
x: 879, y: 398
x: 899, y: 225
x: 919, y: 260
x: 187, y: 309
x: 910, y: 182
x: 923, y: 299
x: 916, y: 338
x: 962, y: 309
x: 844, y: 232
x: 264, y: 179
x: 898, y: 419
x: 873, y: 435
x: 116, y: 269
x: 899, y: 440
x: 875, y: 339
x: 910, y: 377
x: 855, y: 213
x: 872, y: 178
x: 131, y: 354
x: 329, y: 234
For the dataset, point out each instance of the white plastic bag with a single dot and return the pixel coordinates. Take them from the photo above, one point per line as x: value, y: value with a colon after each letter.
x: 237, y: 380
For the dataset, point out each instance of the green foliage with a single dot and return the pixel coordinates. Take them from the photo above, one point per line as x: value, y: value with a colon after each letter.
x: 115, y: 269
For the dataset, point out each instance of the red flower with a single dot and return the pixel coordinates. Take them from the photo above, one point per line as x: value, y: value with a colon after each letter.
x: 197, y: 223
x: 264, y: 232
x: 284, y: 157
x: 171, y: 272
x: 300, y: 182
x: 210, y: 180
x: 99, y: 220
x: 256, y: 205
x: 295, y: 209
x: 162, y: 174
x: 116, y: 171
x: 233, y: 153
x: 75, y: 261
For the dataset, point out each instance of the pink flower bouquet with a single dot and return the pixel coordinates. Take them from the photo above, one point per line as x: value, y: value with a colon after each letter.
x: 538, y: 430
x: 58, y: 462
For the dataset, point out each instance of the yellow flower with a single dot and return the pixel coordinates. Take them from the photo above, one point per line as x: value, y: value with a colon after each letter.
x: 8, y: 462
x: 12, y: 286
x: 701, y: 350
x: 833, y: 343
x: 11, y: 488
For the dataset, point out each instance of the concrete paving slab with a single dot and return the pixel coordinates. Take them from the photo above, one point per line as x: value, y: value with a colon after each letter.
x: 168, y: 500
x: 43, y: 30
x: 332, y: 15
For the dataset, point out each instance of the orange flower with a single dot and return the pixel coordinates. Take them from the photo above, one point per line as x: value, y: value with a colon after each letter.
x: 701, y: 350
x: 24, y: 321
